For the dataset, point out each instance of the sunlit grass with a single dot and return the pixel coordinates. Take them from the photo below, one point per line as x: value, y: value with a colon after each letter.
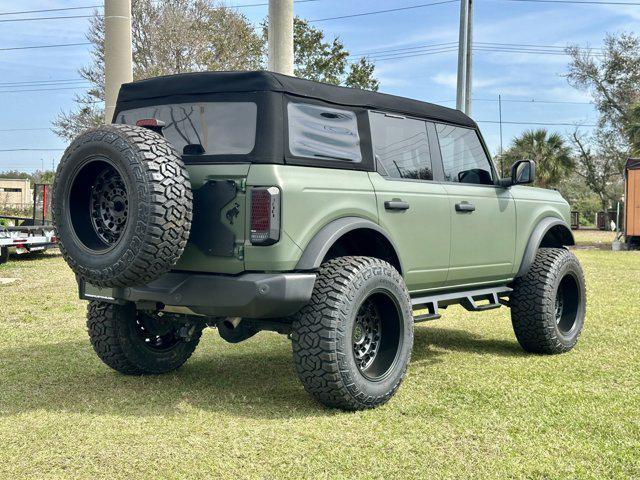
x: 473, y: 405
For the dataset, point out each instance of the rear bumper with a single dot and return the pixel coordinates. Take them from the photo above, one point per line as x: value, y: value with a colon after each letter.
x: 250, y: 295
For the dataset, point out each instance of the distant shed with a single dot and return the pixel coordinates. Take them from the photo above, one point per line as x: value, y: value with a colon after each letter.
x: 632, y: 201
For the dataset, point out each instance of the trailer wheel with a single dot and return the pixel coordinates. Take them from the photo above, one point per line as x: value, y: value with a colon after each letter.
x: 4, y: 255
x: 122, y: 206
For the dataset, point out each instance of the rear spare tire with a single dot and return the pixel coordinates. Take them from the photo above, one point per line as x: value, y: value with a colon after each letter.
x: 122, y: 205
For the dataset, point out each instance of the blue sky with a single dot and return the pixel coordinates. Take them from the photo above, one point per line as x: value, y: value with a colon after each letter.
x: 515, y: 76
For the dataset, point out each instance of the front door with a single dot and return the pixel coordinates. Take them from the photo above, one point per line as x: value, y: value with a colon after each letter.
x: 483, y: 215
x: 412, y: 207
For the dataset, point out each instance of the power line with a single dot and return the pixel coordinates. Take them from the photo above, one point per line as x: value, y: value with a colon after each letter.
x: 52, y: 10
x: 540, y: 123
x: 45, y: 46
x: 362, y: 14
x: 23, y: 129
x: 67, y: 17
x: 41, y: 83
x: 578, y: 2
x: 408, y: 52
x: 516, y: 100
x: 44, y: 89
x: 32, y: 150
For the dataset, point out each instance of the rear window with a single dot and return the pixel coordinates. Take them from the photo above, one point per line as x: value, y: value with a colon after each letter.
x: 318, y: 132
x: 211, y: 128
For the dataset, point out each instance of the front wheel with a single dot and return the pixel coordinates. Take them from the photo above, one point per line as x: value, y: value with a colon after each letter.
x: 138, y: 343
x: 352, y: 342
x: 548, y: 304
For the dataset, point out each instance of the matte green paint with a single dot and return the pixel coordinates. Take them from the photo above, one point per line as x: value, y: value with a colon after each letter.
x: 422, y: 233
x: 193, y: 259
x: 439, y: 248
x: 482, y: 241
x: 311, y: 198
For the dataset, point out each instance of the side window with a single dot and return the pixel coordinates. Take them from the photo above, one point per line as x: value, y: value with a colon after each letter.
x: 401, y: 146
x: 463, y: 157
x: 316, y: 131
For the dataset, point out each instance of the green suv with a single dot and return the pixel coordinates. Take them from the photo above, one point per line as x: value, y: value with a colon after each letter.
x: 251, y: 201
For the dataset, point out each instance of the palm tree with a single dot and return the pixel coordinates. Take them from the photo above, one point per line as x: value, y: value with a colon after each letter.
x: 550, y: 152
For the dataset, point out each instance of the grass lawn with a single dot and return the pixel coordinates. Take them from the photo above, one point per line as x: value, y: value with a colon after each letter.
x: 594, y: 237
x: 472, y: 406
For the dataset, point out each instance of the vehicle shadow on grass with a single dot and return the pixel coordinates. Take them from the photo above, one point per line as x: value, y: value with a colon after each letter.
x: 428, y: 338
x: 256, y: 380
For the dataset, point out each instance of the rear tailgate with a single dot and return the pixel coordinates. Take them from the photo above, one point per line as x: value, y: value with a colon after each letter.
x: 219, y: 222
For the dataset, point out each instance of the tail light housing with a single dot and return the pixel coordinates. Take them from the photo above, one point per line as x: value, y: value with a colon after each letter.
x: 265, y: 215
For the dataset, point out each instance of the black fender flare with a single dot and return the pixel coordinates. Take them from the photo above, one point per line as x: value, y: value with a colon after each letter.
x: 535, y: 240
x: 320, y: 244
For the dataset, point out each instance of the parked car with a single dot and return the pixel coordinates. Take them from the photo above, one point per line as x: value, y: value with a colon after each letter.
x: 255, y: 201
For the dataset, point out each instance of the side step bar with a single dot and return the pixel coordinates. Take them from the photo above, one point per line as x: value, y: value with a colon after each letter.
x: 469, y: 299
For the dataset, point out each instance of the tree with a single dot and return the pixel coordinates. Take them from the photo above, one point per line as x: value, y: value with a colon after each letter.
x: 599, y: 163
x: 327, y: 61
x: 633, y: 129
x: 549, y: 151
x: 613, y: 79
x: 172, y: 36
x: 177, y: 36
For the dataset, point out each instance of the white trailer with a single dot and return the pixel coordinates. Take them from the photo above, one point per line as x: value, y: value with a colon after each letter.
x: 26, y: 239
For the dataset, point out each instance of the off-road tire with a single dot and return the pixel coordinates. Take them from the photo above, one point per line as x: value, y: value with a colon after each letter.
x: 533, y: 303
x: 160, y: 206
x: 113, y: 337
x: 4, y: 255
x: 322, y: 333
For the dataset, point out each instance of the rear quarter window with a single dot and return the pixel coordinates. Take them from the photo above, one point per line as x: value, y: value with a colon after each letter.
x: 320, y: 132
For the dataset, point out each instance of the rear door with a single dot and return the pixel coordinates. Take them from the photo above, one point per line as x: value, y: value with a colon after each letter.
x: 413, y: 208
x: 483, y: 215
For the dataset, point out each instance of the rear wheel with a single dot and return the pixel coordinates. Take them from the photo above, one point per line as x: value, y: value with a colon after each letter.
x: 136, y: 343
x: 4, y: 255
x: 548, y: 304
x: 352, y: 342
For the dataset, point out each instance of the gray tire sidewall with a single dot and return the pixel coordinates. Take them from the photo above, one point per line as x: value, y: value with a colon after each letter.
x: 111, y: 258
x: 351, y: 375
x: 569, y: 266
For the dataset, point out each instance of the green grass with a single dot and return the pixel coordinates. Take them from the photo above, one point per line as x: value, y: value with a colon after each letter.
x: 472, y: 406
x: 594, y: 237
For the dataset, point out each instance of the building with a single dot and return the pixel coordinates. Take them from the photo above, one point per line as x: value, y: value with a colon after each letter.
x: 15, y: 193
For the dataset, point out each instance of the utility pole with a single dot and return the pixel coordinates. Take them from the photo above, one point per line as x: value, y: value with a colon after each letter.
x: 118, y: 61
x: 280, y: 36
x: 500, y: 117
x: 465, y: 53
x: 462, y: 55
x: 469, y: 59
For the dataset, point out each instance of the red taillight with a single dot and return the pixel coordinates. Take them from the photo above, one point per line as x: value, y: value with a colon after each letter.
x: 150, y: 122
x: 265, y: 215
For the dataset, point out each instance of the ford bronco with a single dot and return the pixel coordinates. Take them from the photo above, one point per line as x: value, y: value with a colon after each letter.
x: 251, y: 201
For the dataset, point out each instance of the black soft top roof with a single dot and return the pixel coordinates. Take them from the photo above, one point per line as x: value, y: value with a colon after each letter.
x: 187, y: 84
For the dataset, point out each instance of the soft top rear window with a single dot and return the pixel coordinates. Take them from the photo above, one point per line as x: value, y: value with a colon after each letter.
x: 208, y: 128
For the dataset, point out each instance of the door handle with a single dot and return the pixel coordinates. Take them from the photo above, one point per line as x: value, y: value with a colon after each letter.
x: 396, y: 205
x: 465, y: 207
